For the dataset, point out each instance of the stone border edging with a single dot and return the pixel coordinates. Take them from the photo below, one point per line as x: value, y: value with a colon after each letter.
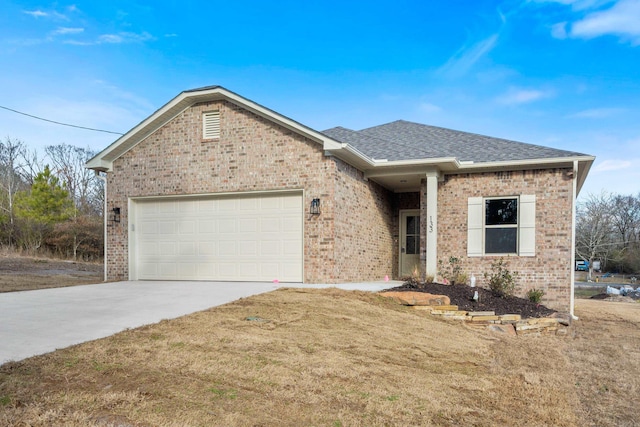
x: 510, y: 324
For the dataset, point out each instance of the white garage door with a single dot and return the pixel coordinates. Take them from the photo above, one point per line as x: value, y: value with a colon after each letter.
x: 239, y: 238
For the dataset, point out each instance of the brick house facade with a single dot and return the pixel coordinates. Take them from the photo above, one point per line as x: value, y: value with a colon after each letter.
x: 169, y: 166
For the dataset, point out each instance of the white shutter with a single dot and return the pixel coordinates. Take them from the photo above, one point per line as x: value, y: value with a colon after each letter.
x: 527, y: 225
x: 475, y: 222
x: 211, y: 125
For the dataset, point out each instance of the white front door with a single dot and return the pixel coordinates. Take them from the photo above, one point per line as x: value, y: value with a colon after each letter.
x: 410, y: 243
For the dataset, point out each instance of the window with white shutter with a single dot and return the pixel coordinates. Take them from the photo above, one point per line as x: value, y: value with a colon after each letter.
x: 211, y: 125
x: 501, y: 225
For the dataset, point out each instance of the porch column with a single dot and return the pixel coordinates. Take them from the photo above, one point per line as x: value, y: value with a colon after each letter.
x: 432, y: 223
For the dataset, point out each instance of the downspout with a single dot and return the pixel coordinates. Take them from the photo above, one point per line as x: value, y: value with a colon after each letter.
x: 104, y: 217
x: 574, y: 197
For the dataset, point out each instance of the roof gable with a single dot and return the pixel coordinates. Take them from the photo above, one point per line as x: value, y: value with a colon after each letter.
x: 103, y: 161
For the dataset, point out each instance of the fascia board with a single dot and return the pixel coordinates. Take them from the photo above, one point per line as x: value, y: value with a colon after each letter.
x: 583, y: 171
x: 518, y: 164
x: 382, y: 169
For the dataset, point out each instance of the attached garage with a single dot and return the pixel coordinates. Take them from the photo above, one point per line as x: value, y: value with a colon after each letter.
x: 237, y: 237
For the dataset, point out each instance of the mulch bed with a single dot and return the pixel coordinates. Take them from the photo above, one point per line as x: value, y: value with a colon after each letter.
x: 462, y: 296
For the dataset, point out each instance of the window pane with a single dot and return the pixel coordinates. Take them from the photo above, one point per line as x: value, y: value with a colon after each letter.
x: 411, y: 245
x: 501, y: 211
x: 412, y: 224
x: 501, y: 240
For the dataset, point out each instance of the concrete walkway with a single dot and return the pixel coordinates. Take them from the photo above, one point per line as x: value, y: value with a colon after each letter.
x: 37, y: 322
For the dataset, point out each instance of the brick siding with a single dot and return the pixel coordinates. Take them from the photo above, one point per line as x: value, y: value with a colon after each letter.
x: 550, y: 269
x: 254, y: 154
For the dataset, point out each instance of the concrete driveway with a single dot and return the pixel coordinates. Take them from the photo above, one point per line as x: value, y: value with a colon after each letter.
x: 37, y: 322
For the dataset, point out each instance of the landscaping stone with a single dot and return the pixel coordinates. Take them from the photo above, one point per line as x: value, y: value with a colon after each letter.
x: 418, y: 298
x: 507, y: 329
x: 482, y: 313
x: 509, y: 324
x: 510, y: 317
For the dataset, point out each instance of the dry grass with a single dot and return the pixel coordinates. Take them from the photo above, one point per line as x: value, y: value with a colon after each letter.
x: 330, y: 358
x: 22, y: 273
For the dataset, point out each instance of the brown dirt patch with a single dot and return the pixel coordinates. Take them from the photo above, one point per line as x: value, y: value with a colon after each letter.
x: 18, y: 273
x: 462, y: 296
x: 329, y: 357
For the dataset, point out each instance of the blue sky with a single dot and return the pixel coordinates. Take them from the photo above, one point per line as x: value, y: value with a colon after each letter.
x: 560, y: 73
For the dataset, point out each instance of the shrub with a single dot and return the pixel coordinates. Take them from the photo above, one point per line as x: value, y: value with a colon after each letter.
x: 452, y: 272
x: 502, y: 282
x: 535, y: 295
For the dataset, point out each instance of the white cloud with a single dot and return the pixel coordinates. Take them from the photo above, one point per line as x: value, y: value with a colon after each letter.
x: 596, y: 113
x: 559, y: 30
x: 117, y: 38
x: 603, y: 17
x: 517, y: 96
x: 36, y: 13
x: 465, y: 58
x: 67, y: 30
x: 427, y: 107
x: 578, y: 4
x: 611, y: 165
x: 125, y: 37
x: 622, y: 19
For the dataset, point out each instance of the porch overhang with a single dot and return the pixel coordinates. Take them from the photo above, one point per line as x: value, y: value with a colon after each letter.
x: 406, y: 175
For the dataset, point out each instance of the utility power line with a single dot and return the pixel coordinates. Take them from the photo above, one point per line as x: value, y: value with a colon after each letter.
x: 59, y: 123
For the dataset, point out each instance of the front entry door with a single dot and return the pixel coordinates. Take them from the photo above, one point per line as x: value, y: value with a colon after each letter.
x: 409, y: 243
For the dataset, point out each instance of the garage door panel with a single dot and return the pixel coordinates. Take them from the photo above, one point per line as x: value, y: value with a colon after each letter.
x: 206, y: 249
x: 206, y: 206
x: 290, y: 247
x: 167, y: 249
x: 186, y: 227
x: 167, y: 269
x: 228, y: 248
x: 270, y: 248
x: 206, y: 226
x: 256, y: 238
x: 227, y: 225
x: 248, y: 225
x: 188, y: 206
x: 187, y: 248
x: 166, y: 227
x: 227, y: 205
x: 188, y: 270
x: 167, y: 208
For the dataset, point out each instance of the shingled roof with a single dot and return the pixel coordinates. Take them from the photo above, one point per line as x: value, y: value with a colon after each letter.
x: 403, y: 140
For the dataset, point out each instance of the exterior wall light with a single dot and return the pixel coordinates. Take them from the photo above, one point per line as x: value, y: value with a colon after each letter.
x: 114, y: 215
x: 315, y: 207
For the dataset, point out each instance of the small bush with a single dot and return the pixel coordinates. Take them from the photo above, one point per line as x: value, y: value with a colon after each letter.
x: 535, y: 295
x: 502, y: 282
x: 452, y: 273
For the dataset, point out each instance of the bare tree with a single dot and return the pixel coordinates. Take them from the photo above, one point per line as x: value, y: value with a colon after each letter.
x: 31, y: 164
x: 625, y: 215
x: 85, y: 189
x: 11, y: 151
x: 594, y: 229
x: 68, y: 164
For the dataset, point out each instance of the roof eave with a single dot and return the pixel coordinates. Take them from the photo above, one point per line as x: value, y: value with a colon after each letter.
x: 377, y: 168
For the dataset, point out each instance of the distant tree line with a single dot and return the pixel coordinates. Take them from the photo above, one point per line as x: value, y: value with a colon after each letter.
x: 608, y: 230
x: 50, y: 204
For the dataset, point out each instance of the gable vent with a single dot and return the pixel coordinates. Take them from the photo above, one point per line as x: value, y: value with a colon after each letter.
x: 211, y: 125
